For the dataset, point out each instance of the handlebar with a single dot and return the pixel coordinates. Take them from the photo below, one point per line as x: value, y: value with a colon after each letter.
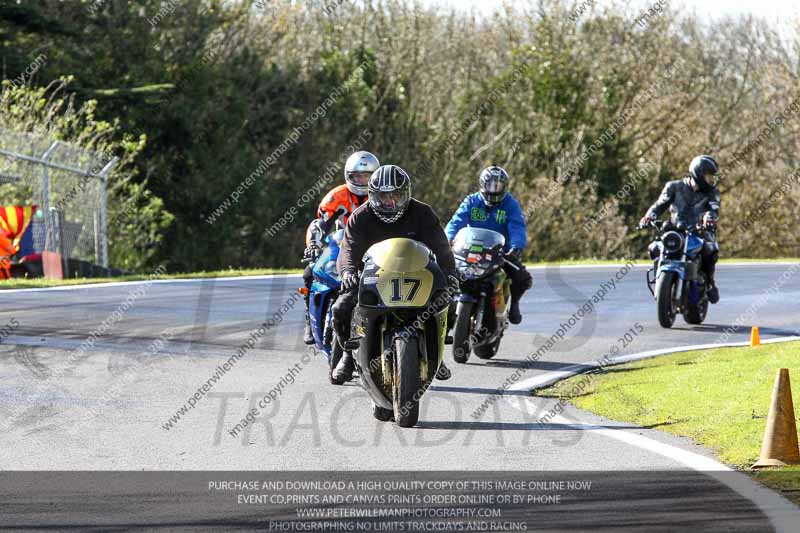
x: 650, y: 223
x: 662, y: 225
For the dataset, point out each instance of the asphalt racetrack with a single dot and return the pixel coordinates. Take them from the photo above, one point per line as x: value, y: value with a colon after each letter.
x: 115, y: 403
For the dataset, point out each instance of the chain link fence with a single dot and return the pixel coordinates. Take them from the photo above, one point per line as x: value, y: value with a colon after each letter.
x: 68, y: 184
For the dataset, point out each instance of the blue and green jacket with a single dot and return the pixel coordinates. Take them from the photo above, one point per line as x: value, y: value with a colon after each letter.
x: 506, y: 218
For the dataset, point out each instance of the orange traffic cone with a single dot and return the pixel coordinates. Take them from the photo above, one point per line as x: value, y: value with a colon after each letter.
x: 755, y: 338
x: 779, y: 447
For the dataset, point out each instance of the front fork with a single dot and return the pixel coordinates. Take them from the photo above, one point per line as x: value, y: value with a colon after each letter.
x: 478, y: 307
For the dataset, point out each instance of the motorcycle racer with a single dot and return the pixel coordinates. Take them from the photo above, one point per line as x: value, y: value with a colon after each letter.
x: 390, y: 212
x: 340, y: 202
x: 694, y: 201
x: 494, y: 208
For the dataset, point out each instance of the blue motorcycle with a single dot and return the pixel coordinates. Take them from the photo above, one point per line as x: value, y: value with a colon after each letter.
x: 676, y: 280
x: 323, y: 294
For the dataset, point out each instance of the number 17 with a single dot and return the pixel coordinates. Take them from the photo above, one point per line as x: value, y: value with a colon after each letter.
x: 396, y: 294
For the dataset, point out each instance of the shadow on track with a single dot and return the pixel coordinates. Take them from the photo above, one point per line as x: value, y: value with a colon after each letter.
x: 723, y: 328
x: 533, y: 365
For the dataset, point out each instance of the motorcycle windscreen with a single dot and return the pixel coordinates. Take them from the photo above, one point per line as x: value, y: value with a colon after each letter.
x: 402, y: 278
x: 470, y: 240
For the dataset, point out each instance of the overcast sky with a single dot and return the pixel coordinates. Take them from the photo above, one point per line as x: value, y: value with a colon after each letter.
x: 771, y: 9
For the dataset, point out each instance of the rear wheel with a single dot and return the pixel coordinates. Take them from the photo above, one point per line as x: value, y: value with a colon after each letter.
x: 406, y: 383
x: 461, y: 335
x: 695, y: 314
x: 665, y: 298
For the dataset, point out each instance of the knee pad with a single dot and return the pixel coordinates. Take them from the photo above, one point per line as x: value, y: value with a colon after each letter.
x: 527, y: 280
x: 522, y: 278
x: 711, y: 252
x: 343, y: 307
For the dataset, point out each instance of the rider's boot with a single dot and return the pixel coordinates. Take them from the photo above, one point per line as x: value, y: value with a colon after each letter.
x: 308, y: 336
x: 443, y: 374
x: 344, y: 370
x: 713, y: 291
x: 514, y: 315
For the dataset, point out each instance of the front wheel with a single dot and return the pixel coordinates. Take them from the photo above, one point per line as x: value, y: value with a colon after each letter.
x: 665, y: 298
x: 487, y: 351
x: 461, y: 335
x: 406, y: 383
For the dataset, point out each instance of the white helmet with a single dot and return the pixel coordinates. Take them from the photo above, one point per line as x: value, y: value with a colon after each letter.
x: 357, y: 171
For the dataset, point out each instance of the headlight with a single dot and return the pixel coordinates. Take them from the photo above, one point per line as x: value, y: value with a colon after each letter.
x: 479, y: 270
x: 673, y: 241
x: 471, y: 271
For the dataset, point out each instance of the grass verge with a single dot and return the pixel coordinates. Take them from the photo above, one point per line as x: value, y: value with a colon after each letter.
x: 719, y: 398
x: 21, y: 283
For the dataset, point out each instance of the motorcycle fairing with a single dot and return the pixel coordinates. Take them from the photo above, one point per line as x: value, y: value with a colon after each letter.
x: 323, y: 291
x: 399, y: 273
x: 671, y: 266
x: 694, y: 245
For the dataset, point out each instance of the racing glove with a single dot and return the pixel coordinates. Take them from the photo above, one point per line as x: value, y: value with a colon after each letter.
x: 710, y: 221
x: 311, y: 253
x: 646, y: 220
x: 514, y: 254
x: 349, y: 281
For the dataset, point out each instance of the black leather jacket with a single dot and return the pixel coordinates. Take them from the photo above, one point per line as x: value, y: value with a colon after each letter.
x: 419, y: 222
x: 686, y: 206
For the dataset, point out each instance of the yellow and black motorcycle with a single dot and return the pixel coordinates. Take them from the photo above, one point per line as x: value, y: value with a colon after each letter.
x: 399, y: 327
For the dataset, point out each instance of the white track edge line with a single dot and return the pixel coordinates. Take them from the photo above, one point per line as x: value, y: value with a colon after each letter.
x: 781, y: 513
x: 139, y: 282
x: 549, y: 378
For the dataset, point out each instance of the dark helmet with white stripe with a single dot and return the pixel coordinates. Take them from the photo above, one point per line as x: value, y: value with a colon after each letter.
x: 704, y: 169
x: 389, y: 192
x: 493, y: 185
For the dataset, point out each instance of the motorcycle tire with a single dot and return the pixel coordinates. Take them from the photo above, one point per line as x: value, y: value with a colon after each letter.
x: 665, y: 289
x: 384, y: 415
x: 406, y: 390
x: 461, y: 335
x: 487, y: 351
x: 696, y: 314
